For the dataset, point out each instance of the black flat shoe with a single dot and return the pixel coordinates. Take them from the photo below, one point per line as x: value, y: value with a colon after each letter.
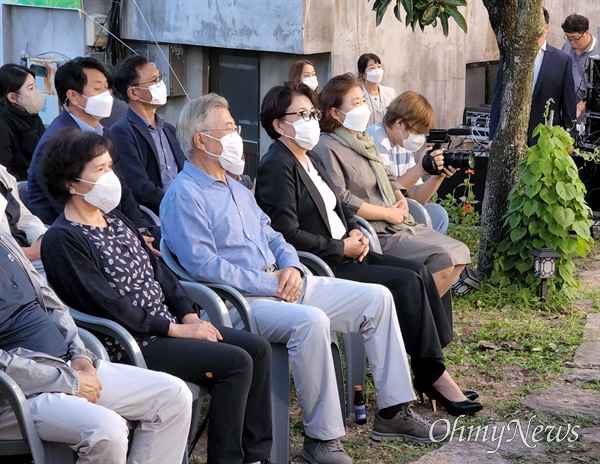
x: 454, y: 408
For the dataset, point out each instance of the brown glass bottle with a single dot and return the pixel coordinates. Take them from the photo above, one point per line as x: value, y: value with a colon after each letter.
x: 360, y: 408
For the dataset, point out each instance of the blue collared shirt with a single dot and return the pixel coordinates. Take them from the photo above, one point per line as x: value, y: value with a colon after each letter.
x: 86, y: 127
x: 166, y: 160
x: 220, y: 235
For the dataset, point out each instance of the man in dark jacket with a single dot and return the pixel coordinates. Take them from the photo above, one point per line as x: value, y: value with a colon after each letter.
x: 150, y: 153
x: 552, y: 79
x: 82, y: 88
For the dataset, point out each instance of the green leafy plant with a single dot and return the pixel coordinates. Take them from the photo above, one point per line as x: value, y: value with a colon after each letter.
x: 547, y: 210
x: 464, y: 221
x: 424, y: 12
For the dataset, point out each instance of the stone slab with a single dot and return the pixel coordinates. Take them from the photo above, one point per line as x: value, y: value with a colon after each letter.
x: 587, y: 354
x: 591, y: 332
x: 591, y: 434
x: 565, y: 401
x: 472, y: 446
x: 578, y: 376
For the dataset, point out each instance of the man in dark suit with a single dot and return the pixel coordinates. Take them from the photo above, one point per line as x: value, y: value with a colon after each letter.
x: 552, y: 78
x: 151, y: 155
x: 82, y: 88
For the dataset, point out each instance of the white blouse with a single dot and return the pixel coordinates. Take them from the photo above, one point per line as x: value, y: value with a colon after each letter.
x: 338, y: 230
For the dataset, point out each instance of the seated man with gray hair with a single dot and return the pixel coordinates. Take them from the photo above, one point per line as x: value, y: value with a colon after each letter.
x: 219, y: 234
x: 73, y: 397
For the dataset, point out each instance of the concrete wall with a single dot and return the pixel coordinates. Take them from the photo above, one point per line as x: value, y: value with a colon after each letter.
x: 266, y: 25
x: 46, y: 29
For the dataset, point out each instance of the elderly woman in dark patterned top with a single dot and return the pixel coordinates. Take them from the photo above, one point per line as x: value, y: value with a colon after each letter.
x: 97, y: 262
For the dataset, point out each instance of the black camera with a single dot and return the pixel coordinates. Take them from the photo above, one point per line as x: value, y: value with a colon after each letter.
x: 456, y: 159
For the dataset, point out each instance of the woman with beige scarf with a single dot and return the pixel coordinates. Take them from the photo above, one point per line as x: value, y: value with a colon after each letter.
x: 372, y: 192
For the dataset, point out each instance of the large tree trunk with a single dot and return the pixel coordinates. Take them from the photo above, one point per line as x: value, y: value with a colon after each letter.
x: 517, y: 24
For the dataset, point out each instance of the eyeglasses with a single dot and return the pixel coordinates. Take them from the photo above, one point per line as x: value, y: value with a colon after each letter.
x: 229, y: 130
x: 159, y: 80
x: 573, y: 39
x: 306, y: 115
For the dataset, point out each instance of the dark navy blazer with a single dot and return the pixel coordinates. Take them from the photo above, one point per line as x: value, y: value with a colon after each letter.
x: 139, y: 157
x: 47, y: 208
x: 555, y: 81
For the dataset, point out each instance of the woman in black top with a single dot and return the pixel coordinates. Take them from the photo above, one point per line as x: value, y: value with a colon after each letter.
x: 20, y: 125
x: 97, y: 262
x: 293, y: 188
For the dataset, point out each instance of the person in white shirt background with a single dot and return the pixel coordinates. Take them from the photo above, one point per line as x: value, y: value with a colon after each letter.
x: 370, y: 74
x: 398, y: 137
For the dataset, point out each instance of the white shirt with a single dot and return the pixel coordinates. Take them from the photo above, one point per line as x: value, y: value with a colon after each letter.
x: 538, y: 63
x: 338, y: 230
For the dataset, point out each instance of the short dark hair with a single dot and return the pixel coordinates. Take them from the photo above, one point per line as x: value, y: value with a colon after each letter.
x: 70, y: 76
x: 575, y: 23
x: 125, y: 73
x: 67, y: 153
x: 546, y: 15
x: 12, y: 78
x: 296, y: 70
x: 332, y: 96
x: 278, y: 100
x: 363, y: 61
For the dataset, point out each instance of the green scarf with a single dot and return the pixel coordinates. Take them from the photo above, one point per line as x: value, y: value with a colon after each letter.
x: 363, y: 144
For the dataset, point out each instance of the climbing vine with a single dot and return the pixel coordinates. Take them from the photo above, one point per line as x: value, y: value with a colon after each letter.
x: 547, y: 210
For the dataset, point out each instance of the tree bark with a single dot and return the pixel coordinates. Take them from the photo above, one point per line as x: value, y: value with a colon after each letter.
x: 517, y: 24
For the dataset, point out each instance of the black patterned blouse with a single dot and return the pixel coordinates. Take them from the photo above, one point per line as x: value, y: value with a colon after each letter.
x: 128, y: 270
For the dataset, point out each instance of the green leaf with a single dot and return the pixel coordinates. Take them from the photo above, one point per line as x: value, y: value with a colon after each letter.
x: 530, y: 207
x: 458, y: 17
x: 582, y: 228
x: 533, y: 190
x: 397, y: 12
x: 444, y: 20
x: 564, y: 216
x: 430, y: 14
x: 380, y: 6
x: 517, y: 233
x: 408, y: 7
x: 548, y: 195
x: 454, y: 2
x: 514, y: 220
x: 423, y: 4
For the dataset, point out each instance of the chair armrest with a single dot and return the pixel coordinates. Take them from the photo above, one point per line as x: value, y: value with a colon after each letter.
x: 418, y: 212
x: 369, y: 232
x: 315, y: 264
x: 152, y: 217
x: 12, y: 393
x: 93, y: 344
x: 171, y: 261
x: 239, y: 302
x: 114, y: 330
x: 209, y: 301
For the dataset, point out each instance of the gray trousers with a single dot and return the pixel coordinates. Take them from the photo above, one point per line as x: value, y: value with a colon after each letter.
x: 342, y: 306
x: 98, y: 432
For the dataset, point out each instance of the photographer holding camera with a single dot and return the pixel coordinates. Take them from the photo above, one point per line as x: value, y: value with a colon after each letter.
x: 398, y: 137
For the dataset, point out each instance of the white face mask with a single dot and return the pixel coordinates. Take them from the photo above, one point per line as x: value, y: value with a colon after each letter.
x: 99, y: 106
x: 106, y: 193
x: 32, y: 103
x: 357, y: 119
x: 231, y: 159
x: 413, y: 142
x: 312, y: 82
x: 375, y: 75
x: 158, y: 92
x: 307, y: 132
